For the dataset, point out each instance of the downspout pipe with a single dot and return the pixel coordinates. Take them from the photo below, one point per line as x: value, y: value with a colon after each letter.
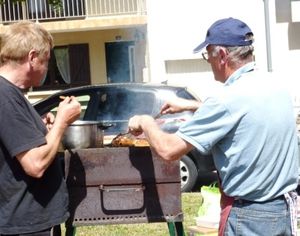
x: 268, y: 37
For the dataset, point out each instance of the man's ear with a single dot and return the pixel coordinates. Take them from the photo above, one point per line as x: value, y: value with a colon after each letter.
x: 32, y: 56
x: 223, y: 54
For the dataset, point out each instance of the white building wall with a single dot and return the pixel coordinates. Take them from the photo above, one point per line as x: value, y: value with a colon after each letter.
x: 176, y: 27
x: 285, y: 44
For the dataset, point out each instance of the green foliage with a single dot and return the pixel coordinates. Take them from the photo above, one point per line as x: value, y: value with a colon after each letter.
x: 57, y: 4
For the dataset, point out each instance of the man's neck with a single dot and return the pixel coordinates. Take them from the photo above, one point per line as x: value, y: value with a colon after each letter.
x: 14, y: 75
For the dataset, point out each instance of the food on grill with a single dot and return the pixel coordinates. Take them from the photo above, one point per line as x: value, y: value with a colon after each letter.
x: 141, y: 143
x: 128, y: 141
x: 122, y: 141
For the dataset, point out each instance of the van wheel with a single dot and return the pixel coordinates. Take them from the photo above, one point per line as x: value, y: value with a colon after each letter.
x: 188, y: 174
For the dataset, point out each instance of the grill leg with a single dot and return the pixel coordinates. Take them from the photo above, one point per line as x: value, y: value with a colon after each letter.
x: 176, y: 229
x: 70, y: 230
x: 56, y: 231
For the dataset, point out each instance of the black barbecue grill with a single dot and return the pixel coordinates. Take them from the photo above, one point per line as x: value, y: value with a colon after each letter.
x: 122, y: 185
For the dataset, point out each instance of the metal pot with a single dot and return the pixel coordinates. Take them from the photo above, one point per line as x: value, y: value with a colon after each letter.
x: 84, y: 134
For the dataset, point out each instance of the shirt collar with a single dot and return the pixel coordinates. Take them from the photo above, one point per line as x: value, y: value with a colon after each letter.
x: 237, y: 74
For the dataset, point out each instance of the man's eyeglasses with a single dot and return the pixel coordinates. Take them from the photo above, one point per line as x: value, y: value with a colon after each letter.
x: 205, y: 55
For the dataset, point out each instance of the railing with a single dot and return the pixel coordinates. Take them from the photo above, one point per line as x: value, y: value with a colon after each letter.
x: 41, y: 10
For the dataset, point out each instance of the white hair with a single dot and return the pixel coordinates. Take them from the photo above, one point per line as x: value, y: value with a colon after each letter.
x: 237, y: 55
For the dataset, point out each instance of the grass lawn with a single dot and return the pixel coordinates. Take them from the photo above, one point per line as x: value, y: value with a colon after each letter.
x: 190, y: 206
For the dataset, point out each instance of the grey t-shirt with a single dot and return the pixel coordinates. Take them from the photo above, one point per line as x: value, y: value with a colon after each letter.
x: 27, y: 204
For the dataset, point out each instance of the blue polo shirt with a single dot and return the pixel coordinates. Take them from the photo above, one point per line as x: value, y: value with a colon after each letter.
x: 249, y: 128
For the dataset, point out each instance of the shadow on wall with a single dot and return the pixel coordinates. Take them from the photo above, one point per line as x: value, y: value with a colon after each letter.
x: 294, y: 31
x: 283, y: 11
x: 284, y: 15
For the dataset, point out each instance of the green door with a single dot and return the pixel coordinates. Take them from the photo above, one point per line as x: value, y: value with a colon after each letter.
x: 120, y: 61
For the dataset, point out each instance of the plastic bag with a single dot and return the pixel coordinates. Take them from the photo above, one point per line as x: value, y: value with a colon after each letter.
x: 209, y: 211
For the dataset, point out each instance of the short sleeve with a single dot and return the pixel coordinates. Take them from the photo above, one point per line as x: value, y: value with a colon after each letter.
x: 20, y: 128
x: 210, y: 123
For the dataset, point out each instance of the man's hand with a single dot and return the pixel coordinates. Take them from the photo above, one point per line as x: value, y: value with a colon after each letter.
x: 179, y: 105
x: 68, y: 111
x: 135, y: 124
x: 48, y: 120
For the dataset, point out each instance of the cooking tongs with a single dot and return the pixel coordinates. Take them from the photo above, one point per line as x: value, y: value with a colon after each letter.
x: 157, y: 116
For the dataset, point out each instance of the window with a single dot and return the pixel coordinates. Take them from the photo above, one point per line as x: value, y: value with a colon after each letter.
x: 116, y: 106
x: 82, y: 99
x: 68, y: 67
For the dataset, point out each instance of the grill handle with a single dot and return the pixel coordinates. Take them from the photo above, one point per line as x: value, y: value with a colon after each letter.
x: 121, y: 189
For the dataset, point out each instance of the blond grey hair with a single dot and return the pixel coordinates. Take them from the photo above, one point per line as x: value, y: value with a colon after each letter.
x: 20, y: 38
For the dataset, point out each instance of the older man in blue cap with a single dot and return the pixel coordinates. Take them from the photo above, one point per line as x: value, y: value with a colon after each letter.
x: 248, y: 127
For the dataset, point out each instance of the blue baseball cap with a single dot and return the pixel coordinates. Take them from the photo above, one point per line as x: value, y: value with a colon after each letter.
x: 227, y: 32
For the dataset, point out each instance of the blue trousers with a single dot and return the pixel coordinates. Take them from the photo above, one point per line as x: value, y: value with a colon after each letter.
x: 270, y: 218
